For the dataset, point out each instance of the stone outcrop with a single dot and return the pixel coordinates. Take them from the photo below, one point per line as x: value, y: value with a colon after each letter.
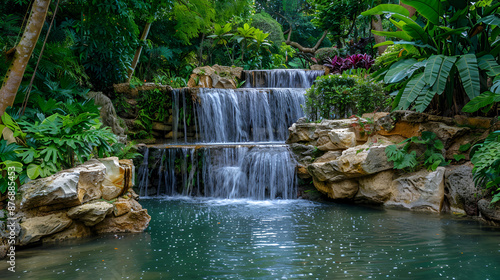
x: 95, y: 197
x: 215, y: 77
x: 347, y: 161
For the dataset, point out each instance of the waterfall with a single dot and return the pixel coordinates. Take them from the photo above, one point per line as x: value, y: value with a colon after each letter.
x: 281, y: 78
x: 255, y: 172
x: 248, y: 115
x: 236, y: 140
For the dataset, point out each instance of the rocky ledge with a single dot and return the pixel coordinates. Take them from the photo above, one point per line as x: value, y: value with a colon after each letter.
x: 346, y: 161
x: 93, y: 198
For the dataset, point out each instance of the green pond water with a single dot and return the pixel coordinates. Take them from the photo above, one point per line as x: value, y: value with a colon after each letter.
x: 295, y: 239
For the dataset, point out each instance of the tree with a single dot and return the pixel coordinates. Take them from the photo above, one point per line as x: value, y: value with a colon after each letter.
x: 22, y: 54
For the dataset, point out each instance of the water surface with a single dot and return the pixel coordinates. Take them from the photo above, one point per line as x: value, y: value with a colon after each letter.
x: 279, y: 239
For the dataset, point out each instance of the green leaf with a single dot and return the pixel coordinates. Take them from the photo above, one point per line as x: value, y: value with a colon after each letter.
x: 423, y: 100
x: 412, y: 28
x: 469, y: 74
x: 397, y: 72
x: 484, y: 99
x: 412, y: 90
x: 51, y: 153
x: 489, y: 64
x: 491, y: 20
x: 458, y: 157
x: 449, y: 31
x: 396, y: 34
x: 443, y: 73
x: 464, y: 148
x: 430, y: 9
x: 33, y: 171
x: 387, y: 9
x: 431, y: 71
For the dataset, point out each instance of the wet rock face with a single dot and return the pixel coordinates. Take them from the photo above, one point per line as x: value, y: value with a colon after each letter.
x: 33, y: 229
x: 460, y: 191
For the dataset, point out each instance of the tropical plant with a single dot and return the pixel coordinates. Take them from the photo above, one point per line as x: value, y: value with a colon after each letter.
x: 408, y: 160
x: 486, y: 159
x: 338, y: 65
x: 457, y: 46
x: 338, y: 96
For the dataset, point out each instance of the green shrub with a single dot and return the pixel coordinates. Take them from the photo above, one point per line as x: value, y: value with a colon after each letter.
x: 486, y: 160
x: 266, y: 23
x: 340, y: 96
x: 431, y: 158
x: 323, y: 54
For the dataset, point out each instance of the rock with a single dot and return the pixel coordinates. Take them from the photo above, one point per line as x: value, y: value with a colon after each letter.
x: 60, y: 188
x: 225, y: 83
x: 404, y: 129
x: 374, y: 116
x: 302, y: 172
x: 375, y: 189
x: 33, y: 229
x: 122, y: 206
x: 445, y: 132
x: 66, y: 188
x: 133, y: 221
x: 76, y: 230
x: 328, y: 156
x: 354, y: 162
x: 91, y: 213
x: 228, y: 70
x: 479, y: 122
x: 89, y: 182
x: 336, y: 139
x: 170, y: 135
x: 337, y: 190
x: 205, y: 70
x: 422, y: 191
x: 118, y: 178
x: 460, y: 191
x: 488, y: 211
x: 161, y: 126
x: 310, y: 132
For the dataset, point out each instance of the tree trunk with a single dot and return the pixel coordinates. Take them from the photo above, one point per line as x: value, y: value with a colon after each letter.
x: 409, y: 8
x: 23, y: 53
x: 138, y: 51
x: 377, y: 25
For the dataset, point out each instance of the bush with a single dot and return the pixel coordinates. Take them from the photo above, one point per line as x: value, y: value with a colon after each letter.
x: 339, y: 96
x: 486, y: 159
x: 266, y: 23
x: 323, y: 54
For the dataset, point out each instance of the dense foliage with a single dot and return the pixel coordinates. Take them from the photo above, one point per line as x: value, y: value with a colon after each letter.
x: 486, y: 159
x: 340, y: 96
x: 407, y: 160
x: 450, y: 51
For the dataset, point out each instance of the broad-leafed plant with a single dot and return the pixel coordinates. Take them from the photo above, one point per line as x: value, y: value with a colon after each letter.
x: 457, y: 45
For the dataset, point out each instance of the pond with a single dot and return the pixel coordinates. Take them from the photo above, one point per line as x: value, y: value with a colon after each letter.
x: 201, y: 238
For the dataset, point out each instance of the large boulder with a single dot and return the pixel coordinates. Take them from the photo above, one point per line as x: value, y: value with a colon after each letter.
x: 33, y: 229
x: 354, y: 162
x: 488, y: 211
x: 376, y: 189
x: 421, y: 191
x: 460, y: 190
x: 336, y: 139
x: 310, y: 132
x: 345, y: 189
x: 91, y: 213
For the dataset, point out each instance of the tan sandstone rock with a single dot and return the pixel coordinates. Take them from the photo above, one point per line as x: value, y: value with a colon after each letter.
x: 91, y: 213
x: 33, y: 229
x: 133, y: 221
x: 337, y: 190
x: 422, y: 191
x: 375, y: 189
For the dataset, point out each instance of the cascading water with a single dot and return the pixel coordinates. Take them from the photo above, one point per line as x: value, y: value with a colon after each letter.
x: 281, y: 78
x: 248, y: 115
x: 239, y: 150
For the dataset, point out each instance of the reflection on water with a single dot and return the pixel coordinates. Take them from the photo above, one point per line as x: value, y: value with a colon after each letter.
x: 279, y: 239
